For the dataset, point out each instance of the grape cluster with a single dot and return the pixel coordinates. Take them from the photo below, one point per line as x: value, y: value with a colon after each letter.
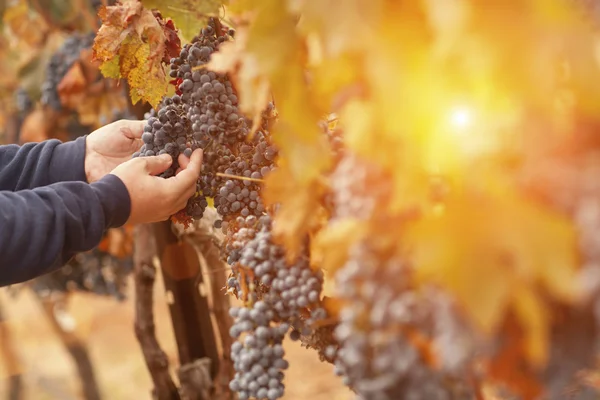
x: 258, y: 358
x: 359, y: 188
x: 59, y: 65
x: 242, y: 196
x: 96, y: 271
x: 204, y: 114
x: 376, y: 356
x: 211, y: 98
x: 277, y: 294
x: 167, y: 133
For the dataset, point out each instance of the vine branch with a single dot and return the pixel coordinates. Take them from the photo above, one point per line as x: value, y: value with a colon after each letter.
x: 144, y: 277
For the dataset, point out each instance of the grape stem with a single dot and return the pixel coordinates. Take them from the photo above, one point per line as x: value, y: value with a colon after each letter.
x: 243, y: 178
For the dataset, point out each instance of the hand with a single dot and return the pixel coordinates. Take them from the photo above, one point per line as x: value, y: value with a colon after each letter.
x: 110, y: 146
x: 153, y: 198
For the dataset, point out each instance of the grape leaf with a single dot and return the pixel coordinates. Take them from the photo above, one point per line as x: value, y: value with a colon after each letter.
x: 331, y: 245
x: 96, y: 101
x: 72, y: 84
x: 139, y: 41
x: 296, y: 216
x: 503, y: 240
x: 188, y: 15
x: 268, y: 58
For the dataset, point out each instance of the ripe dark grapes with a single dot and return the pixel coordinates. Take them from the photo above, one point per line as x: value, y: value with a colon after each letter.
x: 96, y: 271
x: 276, y: 294
x: 60, y: 63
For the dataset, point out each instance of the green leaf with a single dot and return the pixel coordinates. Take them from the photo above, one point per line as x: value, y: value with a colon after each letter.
x: 189, y: 16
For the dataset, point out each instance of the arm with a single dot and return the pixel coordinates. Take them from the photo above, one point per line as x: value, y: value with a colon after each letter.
x: 39, y: 164
x: 41, y: 229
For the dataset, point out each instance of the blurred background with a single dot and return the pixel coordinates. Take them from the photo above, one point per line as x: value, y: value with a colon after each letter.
x: 47, y: 370
x: 70, y: 334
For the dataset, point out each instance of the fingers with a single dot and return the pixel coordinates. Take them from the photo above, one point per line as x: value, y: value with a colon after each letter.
x: 187, y: 177
x: 183, y: 161
x: 132, y: 129
x: 196, y: 160
x: 156, y: 164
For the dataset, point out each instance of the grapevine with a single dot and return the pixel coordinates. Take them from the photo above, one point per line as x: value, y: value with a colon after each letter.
x: 397, y: 176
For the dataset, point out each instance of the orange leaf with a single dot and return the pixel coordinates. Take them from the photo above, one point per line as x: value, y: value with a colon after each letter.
x: 332, y: 306
x: 72, y: 86
x: 38, y: 126
x: 510, y: 366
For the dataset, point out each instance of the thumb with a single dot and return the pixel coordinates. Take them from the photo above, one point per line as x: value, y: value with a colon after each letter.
x: 190, y: 174
x: 157, y: 164
x: 132, y: 129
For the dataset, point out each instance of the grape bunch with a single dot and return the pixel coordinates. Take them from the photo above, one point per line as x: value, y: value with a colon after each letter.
x: 258, y: 359
x: 60, y: 63
x: 96, y: 271
x: 204, y: 114
x: 211, y: 98
x: 380, y: 317
x: 278, y: 296
x: 167, y: 133
x: 254, y: 161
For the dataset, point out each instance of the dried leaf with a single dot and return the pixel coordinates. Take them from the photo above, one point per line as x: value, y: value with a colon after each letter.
x: 140, y: 41
x: 72, y: 86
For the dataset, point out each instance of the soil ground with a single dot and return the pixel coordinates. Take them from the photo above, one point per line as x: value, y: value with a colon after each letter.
x: 107, y: 327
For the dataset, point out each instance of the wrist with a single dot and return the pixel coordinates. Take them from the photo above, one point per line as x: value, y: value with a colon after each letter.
x: 87, y: 164
x: 68, y: 161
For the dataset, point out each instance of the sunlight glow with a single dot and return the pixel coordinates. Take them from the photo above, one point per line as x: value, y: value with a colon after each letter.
x: 461, y: 117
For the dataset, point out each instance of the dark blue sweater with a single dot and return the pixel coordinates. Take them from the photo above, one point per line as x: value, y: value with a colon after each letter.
x: 48, y: 211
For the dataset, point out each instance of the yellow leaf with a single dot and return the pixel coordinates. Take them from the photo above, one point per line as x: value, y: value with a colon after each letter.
x: 332, y: 306
x: 142, y: 41
x: 331, y: 245
x: 535, y: 320
x: 353, y: 28
x: 298, y: 202
x: 500, y: 240
x: 111, y: 68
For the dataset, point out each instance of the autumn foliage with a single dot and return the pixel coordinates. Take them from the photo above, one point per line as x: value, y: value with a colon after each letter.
x: 469, y: 151
x: 449, y: 112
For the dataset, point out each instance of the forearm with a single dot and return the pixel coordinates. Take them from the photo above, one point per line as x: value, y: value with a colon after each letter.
x: 35, y: 165
x: 41, y: 229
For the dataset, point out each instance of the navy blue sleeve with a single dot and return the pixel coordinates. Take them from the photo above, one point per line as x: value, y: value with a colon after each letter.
x: 42, y: 228
x: 39, y: 164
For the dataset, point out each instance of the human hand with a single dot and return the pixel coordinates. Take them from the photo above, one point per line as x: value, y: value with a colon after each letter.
x: 110, y: 146
x: 153, y: 198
